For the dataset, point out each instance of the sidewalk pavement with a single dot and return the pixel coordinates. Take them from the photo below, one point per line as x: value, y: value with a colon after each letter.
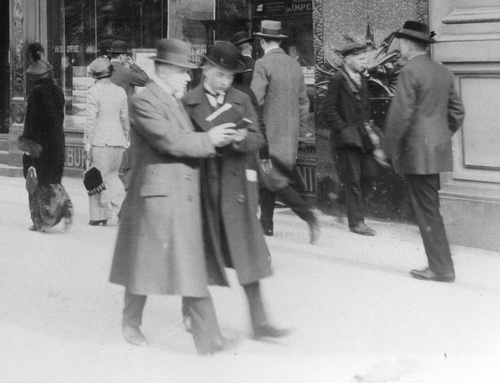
x: 356, y: 311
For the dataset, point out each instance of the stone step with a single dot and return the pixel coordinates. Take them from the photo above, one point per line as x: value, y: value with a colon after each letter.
x: 4, y: 144
x: 4, y: 156
x: 10, y: 171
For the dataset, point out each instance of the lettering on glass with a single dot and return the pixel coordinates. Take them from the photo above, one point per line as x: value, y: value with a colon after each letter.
x: 69, y: 49
x: 74, y: 157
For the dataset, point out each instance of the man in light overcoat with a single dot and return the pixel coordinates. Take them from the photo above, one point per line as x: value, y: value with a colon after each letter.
x: 159, y: 249
x: 233, y: 233
x: 425, y: 112
x: 278, y: 84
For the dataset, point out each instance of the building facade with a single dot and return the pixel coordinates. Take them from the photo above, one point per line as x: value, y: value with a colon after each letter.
x: 75, y: 32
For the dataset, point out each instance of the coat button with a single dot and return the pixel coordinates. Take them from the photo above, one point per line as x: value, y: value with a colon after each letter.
x: 241, y: 198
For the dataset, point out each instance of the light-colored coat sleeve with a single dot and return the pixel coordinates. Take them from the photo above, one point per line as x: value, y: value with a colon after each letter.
x: 90, y: 121
x: 259, y: 82
x: 124, y: 118
x: 161, y: 126
x: 303, y: 106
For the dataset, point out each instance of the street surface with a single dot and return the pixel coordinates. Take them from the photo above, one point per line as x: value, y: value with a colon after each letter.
x: 354, y: 308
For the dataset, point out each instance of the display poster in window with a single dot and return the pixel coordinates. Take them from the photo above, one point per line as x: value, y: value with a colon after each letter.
x: 142, y: 57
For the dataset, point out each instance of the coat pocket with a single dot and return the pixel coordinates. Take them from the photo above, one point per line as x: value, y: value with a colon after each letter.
x: 155, y: 190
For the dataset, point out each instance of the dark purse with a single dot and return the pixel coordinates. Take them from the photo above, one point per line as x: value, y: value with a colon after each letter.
x: 31, y: 180
x: 92, y: 179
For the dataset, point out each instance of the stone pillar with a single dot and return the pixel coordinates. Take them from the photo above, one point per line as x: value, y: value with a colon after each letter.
x: 468, y: 43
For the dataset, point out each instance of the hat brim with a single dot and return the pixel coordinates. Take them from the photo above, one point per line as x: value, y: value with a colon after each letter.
x: 280, y: 36
x: 239, y: 69
x: 413, y: 35
x: 185, y: 64
x: 242, y: 41
x: 126, y: 52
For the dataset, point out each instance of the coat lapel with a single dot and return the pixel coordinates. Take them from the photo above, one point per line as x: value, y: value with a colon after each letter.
x: 199, y: 107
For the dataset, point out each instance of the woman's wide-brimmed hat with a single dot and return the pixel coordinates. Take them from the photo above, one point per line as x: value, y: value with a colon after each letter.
x: 270, y: 29
x: 415, y: 30
x: 101, y: 68
x: 39, y: 68
x: 119, y: 46
x: 174, y: 52
x: 353, y: 49
x: 241, y: 37
x: 226, y: 56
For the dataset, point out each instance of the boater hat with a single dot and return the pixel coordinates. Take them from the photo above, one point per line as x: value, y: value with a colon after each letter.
x: 119, y: 46
x: 415, y: 30
x: 101, y: 68
x: 174, y: 52
x: 226, y: 56
x: 270, y: 29
x: 240, y: 38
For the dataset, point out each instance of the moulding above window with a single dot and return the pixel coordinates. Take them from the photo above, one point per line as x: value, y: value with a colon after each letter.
x: 473, y: 15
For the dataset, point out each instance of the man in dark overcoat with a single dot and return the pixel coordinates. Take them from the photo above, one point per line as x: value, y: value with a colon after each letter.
x: 232, y: 231
x: 244, y: 43
x: 278, y: 84
x: 126, y: 73
x: 347, y: 111
x: 159, y: 249
x: 424, y: 113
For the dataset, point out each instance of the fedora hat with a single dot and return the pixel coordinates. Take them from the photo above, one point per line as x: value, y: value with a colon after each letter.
x: 415, y: 30
x: 240, y: 38
x: 174, y: 52
x: 270, y: 29
x: 226, y: 56
x: 39, y: 68
x: 101, y: 68
x: 119, y: 46
x: 353, y: 49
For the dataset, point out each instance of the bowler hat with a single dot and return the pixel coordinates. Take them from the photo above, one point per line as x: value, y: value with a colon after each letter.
x: 353, y: 49
x: 240, y: 38
x: 270, y: 29
x: 39, y: 68
x: 101, y: 68
x: 174, y: 52
x: 415, y: 30
x: 119, y: 46
x: 226, y: 56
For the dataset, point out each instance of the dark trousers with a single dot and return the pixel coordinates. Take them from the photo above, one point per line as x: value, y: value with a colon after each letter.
x: 205, y: 327
x: 424, y: 197
x: 356, y: 166
x: 289, y: 197
x: 255, y: 304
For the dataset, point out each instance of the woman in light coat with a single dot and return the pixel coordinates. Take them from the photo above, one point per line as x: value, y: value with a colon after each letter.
x: 106, y: 138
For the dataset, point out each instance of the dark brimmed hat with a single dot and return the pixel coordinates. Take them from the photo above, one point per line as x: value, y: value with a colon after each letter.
x: 174, y: 52
x: 353, y: 49
x: 415, y: 30
x: 240, y: 38
x: 39, y: 68
x: 119, y: 46
x: 270, y: 29
x: 226, y: 56
x: 101, y: 68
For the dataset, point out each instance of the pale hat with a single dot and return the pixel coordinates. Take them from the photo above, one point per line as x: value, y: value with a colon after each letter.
x: 270, y: 29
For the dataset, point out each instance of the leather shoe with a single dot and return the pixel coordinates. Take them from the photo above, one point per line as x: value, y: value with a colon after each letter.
x: 267, y: 228
x: 314, y: 232
x: 219, y: 345
x: 429, y: 275
x: 134, y: 336
x: 265, y: 330
x: 362, y: 229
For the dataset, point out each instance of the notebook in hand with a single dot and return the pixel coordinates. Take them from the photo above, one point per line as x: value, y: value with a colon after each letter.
x: 228, y: 113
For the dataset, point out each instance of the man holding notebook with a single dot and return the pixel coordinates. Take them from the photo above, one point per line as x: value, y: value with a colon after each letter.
x: 232, y: 232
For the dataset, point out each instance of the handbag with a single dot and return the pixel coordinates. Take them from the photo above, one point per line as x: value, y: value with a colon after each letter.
x: 92, y: 180
x: 31, y: 180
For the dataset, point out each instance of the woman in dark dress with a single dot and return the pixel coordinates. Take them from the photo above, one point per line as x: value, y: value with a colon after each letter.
x: 43, y: 143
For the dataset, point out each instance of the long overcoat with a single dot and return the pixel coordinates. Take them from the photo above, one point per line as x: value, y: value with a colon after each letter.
x: 424, y: 113
x: 159, y: 249
x: 278, y: 84
x: 229, y: 196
